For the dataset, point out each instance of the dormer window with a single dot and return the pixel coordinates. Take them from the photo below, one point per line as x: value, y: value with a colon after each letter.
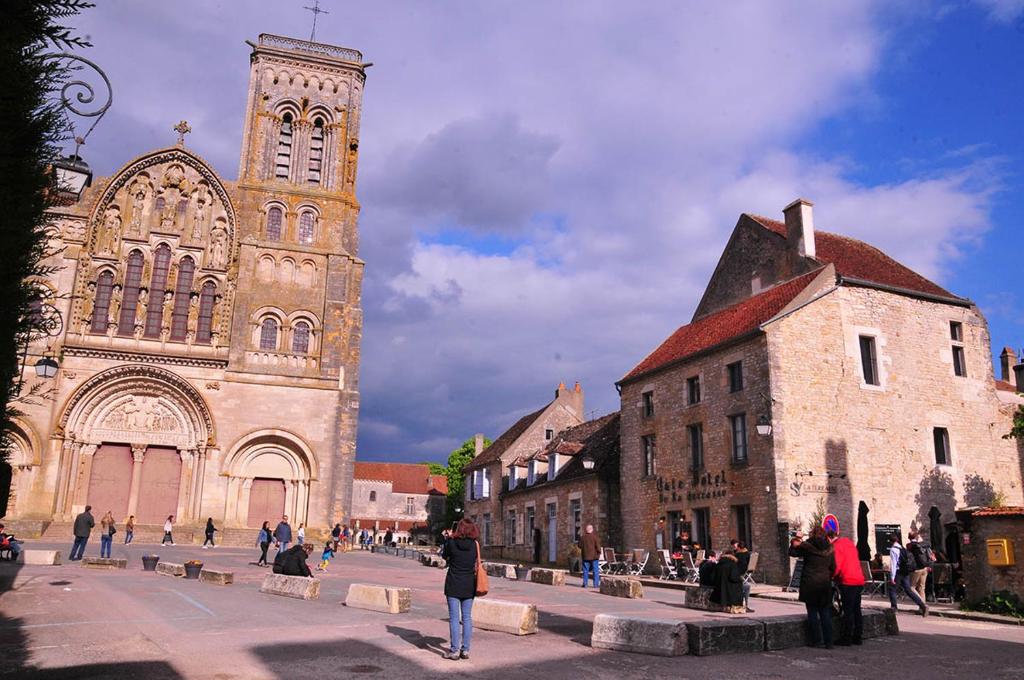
x: 531, y: 473
x: 553, y: 465
x: 512, y: 480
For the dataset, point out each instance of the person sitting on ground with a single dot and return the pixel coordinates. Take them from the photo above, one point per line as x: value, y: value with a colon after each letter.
x: 292, y: 562
x: 706, y: 570
x: 7, y: 541
x: 728, y: 588
x: 326, y: 555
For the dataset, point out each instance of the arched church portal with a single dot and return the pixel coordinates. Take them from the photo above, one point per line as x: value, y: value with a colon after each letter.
x: 136, y: 440
x: 269, y: 473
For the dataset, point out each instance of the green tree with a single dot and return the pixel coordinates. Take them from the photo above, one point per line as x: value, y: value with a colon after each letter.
x: 1017, y: 430
x: 435, y: 468
x: 457, y: 460
x: 32, y: 127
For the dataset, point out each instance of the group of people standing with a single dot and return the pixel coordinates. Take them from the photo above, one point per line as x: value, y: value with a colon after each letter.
x: 85, y: 523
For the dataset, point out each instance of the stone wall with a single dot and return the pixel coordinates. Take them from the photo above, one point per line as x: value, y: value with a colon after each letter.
x: 980, y: 577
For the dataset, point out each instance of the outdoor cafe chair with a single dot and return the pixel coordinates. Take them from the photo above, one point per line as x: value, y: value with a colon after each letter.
x: 942, y: 573
x: 748, y: 577
x: 668, y: 567
x: 638, y: 566
x: 872, y: 586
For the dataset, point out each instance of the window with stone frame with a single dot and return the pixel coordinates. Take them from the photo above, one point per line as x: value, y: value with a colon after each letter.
x: 531, y: 522
x: 282, y: 164
x: 648, y: 404
x: 300, y: 338
x: 695, y: 435
x: 485, y: 533
x: 693, y: 390
x: 307, y: 225
x: 744, y: 532
x: 735, y: 370
x: 647, y: 447
x: 868, y: 360
x: 204, y: 324
x: 274, y: 220
x: 182, y: 299
x: 316, y: 151
x: 576, y: 518
x: 738, y: 428
x: 373, y: 496
x: 268, y: 334
x: 101, y: 308
x: 157, y: 290
x: 549, y: 434
x: 510, y: 527
x: 130, y: 294
x: 410, y: 505
x: 702, y: 527
x: 940, y: 437
x: 956, y: 334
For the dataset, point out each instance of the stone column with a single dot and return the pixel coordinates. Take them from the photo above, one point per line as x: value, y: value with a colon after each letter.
x: 245, y: 488
x: 301, y: 131
x: 184, y: 492
x: 65, y: 473
x: 82, y: 475
x: 198, y: 472
x: 231, y: 501
x: 138, y: 455
x: 290, y: 486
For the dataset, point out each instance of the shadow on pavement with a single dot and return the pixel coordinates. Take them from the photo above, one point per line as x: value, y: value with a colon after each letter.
x: 417, y: 639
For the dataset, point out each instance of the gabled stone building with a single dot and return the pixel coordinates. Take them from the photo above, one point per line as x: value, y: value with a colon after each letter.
x: 401, y: 497
x: 485, y: 473
x: 210, y: 344
x: 817, y: 373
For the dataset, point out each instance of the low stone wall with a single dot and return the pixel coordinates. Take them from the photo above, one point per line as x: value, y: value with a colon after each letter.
x: 105, y: 562
x: 725, y: 636
x: 500, y: 570
x: 622, y: 586
x: 46, y: 558
x: 516, y: 618
x: 217, y: 577
x: 643, y: 636
x: 299, y: 587
x: 379, y: 598
x: 170, y: 569
x: 699, y: 597
x: 549, y: 577
x: 432, y: 560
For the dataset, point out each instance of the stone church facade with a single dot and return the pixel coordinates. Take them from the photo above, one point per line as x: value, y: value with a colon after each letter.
x: 210, y: 344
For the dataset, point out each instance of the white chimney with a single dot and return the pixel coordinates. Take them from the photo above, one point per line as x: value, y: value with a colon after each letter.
x: 800, y: 227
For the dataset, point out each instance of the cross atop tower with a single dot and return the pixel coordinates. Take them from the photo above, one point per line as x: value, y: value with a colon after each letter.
x: 315, y: 9
x: 182, y: 128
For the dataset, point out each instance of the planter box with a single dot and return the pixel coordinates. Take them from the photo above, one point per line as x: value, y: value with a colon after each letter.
x: 192, y: 571
x: 149, y: 562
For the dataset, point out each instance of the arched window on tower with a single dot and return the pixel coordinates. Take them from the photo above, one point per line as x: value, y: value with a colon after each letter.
x: 306, y: 227
x: 300, y: 338
x: 182, y: 295
x: 157, y: 288
x: 284, y: 148
x: 204, y: 326
x: 316, y: 151
x: 274, y: 223
x: 100, y: 310
x: 373, y: 496
x: 130, y: 295
x: 268, y: 334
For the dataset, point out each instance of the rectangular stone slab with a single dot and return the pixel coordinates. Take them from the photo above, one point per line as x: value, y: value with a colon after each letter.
x: 299, y: 587
x: 699, y: 597
x: 784, y: 632
x: 621, y: 586
x: 40, y: 557
x: 105, y: 562
x: 657, y: 637
x: 550, y: 577
x: 500, y: 570
x: 170, y: 569
x: 379, y: 598
x: 215, y: 576
x: 516, y: 618
x: 725, y: 636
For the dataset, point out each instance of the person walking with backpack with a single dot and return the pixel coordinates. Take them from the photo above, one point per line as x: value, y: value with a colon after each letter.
x: 920, y: 563
x: 84, y: 523
x: 462, y: 553
x: 107, y: 534
x: 849, y: 576
x: 900, y: 568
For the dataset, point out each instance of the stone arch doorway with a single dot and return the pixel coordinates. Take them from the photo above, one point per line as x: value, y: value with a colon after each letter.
x: 18, y: 472
x: 135, y: 443
x: 269, y: 474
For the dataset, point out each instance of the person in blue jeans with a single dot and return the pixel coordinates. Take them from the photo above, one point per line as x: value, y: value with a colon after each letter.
x: 107, y: 536
x: 83, y: 527
x: 462, y: 553
x: 590, y: 551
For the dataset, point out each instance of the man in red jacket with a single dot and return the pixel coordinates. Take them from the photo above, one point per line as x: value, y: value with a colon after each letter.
x: 850, y: 577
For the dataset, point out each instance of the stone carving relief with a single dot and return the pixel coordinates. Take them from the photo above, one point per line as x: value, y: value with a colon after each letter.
x: 111, y: 230
x: 218, y: 244
x: 141, y: 414
x: 138, y: 193
x: 202, y: 206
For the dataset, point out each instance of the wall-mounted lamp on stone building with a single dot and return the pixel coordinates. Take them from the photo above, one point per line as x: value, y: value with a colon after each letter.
x: 588, y: 462
x: 764, y: 426
x: 46, y: 367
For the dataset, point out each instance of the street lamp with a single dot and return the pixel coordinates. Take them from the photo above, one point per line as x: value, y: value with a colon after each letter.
x: 588, y: 462
x: 73, y: 176
x: 764, y: 426
x: 46, y: 367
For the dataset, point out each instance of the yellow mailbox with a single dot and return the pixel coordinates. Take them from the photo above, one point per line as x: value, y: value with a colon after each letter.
x: 1000, y: 552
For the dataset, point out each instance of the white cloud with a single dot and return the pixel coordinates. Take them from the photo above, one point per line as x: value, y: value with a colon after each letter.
x: 1004, y: 11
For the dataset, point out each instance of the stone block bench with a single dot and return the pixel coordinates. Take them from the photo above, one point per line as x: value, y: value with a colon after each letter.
x: 500, y: 570
x: 46, y: 558
x: 432, y: 560
x: 379, y: 598
x: 216, y: 576
x: 516, y: 618
x: 699, y: 597
x: 622, y: 586
x: 299, y: 587
x: 784, y: 632
x: 657, y: 637
x: 725, y: 636
x: 549, y: 577
x: 170, y: 569
x: 105, y: 562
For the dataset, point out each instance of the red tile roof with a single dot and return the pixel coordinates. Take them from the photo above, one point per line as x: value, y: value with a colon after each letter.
x: 859, y: 260
x: 1009, y: 511
x: 404, y: 477
x: 1005, y: 386
x: 598, y: 438
x: 726, y: 324
x: 439, y: 483
x: 507, y: 439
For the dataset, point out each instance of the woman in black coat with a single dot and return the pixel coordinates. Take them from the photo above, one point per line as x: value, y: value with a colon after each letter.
x: 728, y: 588
x: 816, y: 583
x: 462, y: 553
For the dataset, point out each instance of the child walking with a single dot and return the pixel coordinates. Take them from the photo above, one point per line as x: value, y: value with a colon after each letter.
x: 326, y: 556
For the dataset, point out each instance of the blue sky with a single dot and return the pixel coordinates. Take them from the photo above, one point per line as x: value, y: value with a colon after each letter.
x: 546, y: 187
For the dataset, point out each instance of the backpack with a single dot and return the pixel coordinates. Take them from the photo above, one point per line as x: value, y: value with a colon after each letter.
x: 905, y: 565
